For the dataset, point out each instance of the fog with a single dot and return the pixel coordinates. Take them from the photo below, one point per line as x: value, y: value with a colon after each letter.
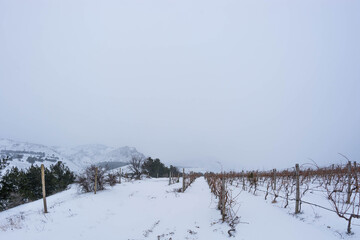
x: 249, y: 84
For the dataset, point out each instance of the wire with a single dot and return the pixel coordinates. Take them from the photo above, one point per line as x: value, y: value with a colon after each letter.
x: 306, y: 202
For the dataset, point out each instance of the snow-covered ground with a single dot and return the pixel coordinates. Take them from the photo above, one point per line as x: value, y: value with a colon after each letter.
x: 151, y: 209
x: 277, y: 222
x: 320, y: 217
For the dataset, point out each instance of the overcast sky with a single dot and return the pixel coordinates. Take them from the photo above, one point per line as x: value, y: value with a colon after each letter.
x: 252, y: 84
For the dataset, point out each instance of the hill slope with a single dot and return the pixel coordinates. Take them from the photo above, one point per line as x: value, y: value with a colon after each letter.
x: 24, y: 154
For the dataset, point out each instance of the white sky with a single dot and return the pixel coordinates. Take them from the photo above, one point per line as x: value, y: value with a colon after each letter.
x: 254, y: 83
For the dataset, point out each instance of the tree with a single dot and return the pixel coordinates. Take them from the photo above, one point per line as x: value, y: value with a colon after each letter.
x: 10, y: 184
x: 149, y: 167
x: 21, y: 186
x: 60, y: 177
x: 162, y: 170
x: 30, y: 185
x: 3, y: 163
x: 155, y: 168
x: 136, y: 163
x: 174, y: 170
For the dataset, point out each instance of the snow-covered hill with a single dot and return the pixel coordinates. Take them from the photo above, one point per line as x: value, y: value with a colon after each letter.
x: 24, y: 154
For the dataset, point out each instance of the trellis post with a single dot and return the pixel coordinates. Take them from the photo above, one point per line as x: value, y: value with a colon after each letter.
x: 43, y: 187
x: 297, y: 203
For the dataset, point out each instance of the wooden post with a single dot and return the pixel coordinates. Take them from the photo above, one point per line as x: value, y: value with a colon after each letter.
x: 274, y: 177
x: 170, y: 178
x: 356, y: 178
x: 43, y: 187
x: 243, y: 179
x: 349, y: 182
x: 297, y: 204
x: 223, y: 198
x: 255, y: 178
x: 220, y: 196
x: 183, y: 185
x: 96, y: 172
x: 120, y: 176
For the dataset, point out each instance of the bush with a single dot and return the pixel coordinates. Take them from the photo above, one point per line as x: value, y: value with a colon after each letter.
x: 111, y: 179
x: 86, y: 180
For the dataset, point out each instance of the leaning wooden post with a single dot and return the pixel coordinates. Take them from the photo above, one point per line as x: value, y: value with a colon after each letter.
x: 297, y: 204
x: 183, y: 175
x: 349, y: 182
x: 96, y: 172
x: 43, y: 187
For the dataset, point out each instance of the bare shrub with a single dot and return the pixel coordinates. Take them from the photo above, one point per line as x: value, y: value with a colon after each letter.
x: 111, y: 179
x: 86, y: 180
x: 338, y: 196
x: 135, y: 166
x: 227, y: 203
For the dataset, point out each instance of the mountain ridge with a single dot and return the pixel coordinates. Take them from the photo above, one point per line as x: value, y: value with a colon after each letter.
x: 23, y: 154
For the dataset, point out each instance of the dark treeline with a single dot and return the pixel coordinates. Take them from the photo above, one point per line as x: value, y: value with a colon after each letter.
x: 150, y: 167
x: 155, y: 168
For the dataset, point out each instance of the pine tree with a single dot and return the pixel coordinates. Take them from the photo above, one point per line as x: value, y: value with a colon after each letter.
x: 3, y: 163
x: 21, y: 186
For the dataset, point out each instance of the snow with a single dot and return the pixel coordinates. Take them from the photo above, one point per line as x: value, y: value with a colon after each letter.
x: 76, y: 158
x: 150, y: 208
x: 318, y: 217
x: 267, y: 221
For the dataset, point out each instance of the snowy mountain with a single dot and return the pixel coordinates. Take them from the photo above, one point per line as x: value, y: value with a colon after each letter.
x: 24, y: 154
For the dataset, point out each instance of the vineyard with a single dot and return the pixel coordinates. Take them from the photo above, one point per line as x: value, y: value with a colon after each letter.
x: 334, y: 189
x: 236, y: 205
